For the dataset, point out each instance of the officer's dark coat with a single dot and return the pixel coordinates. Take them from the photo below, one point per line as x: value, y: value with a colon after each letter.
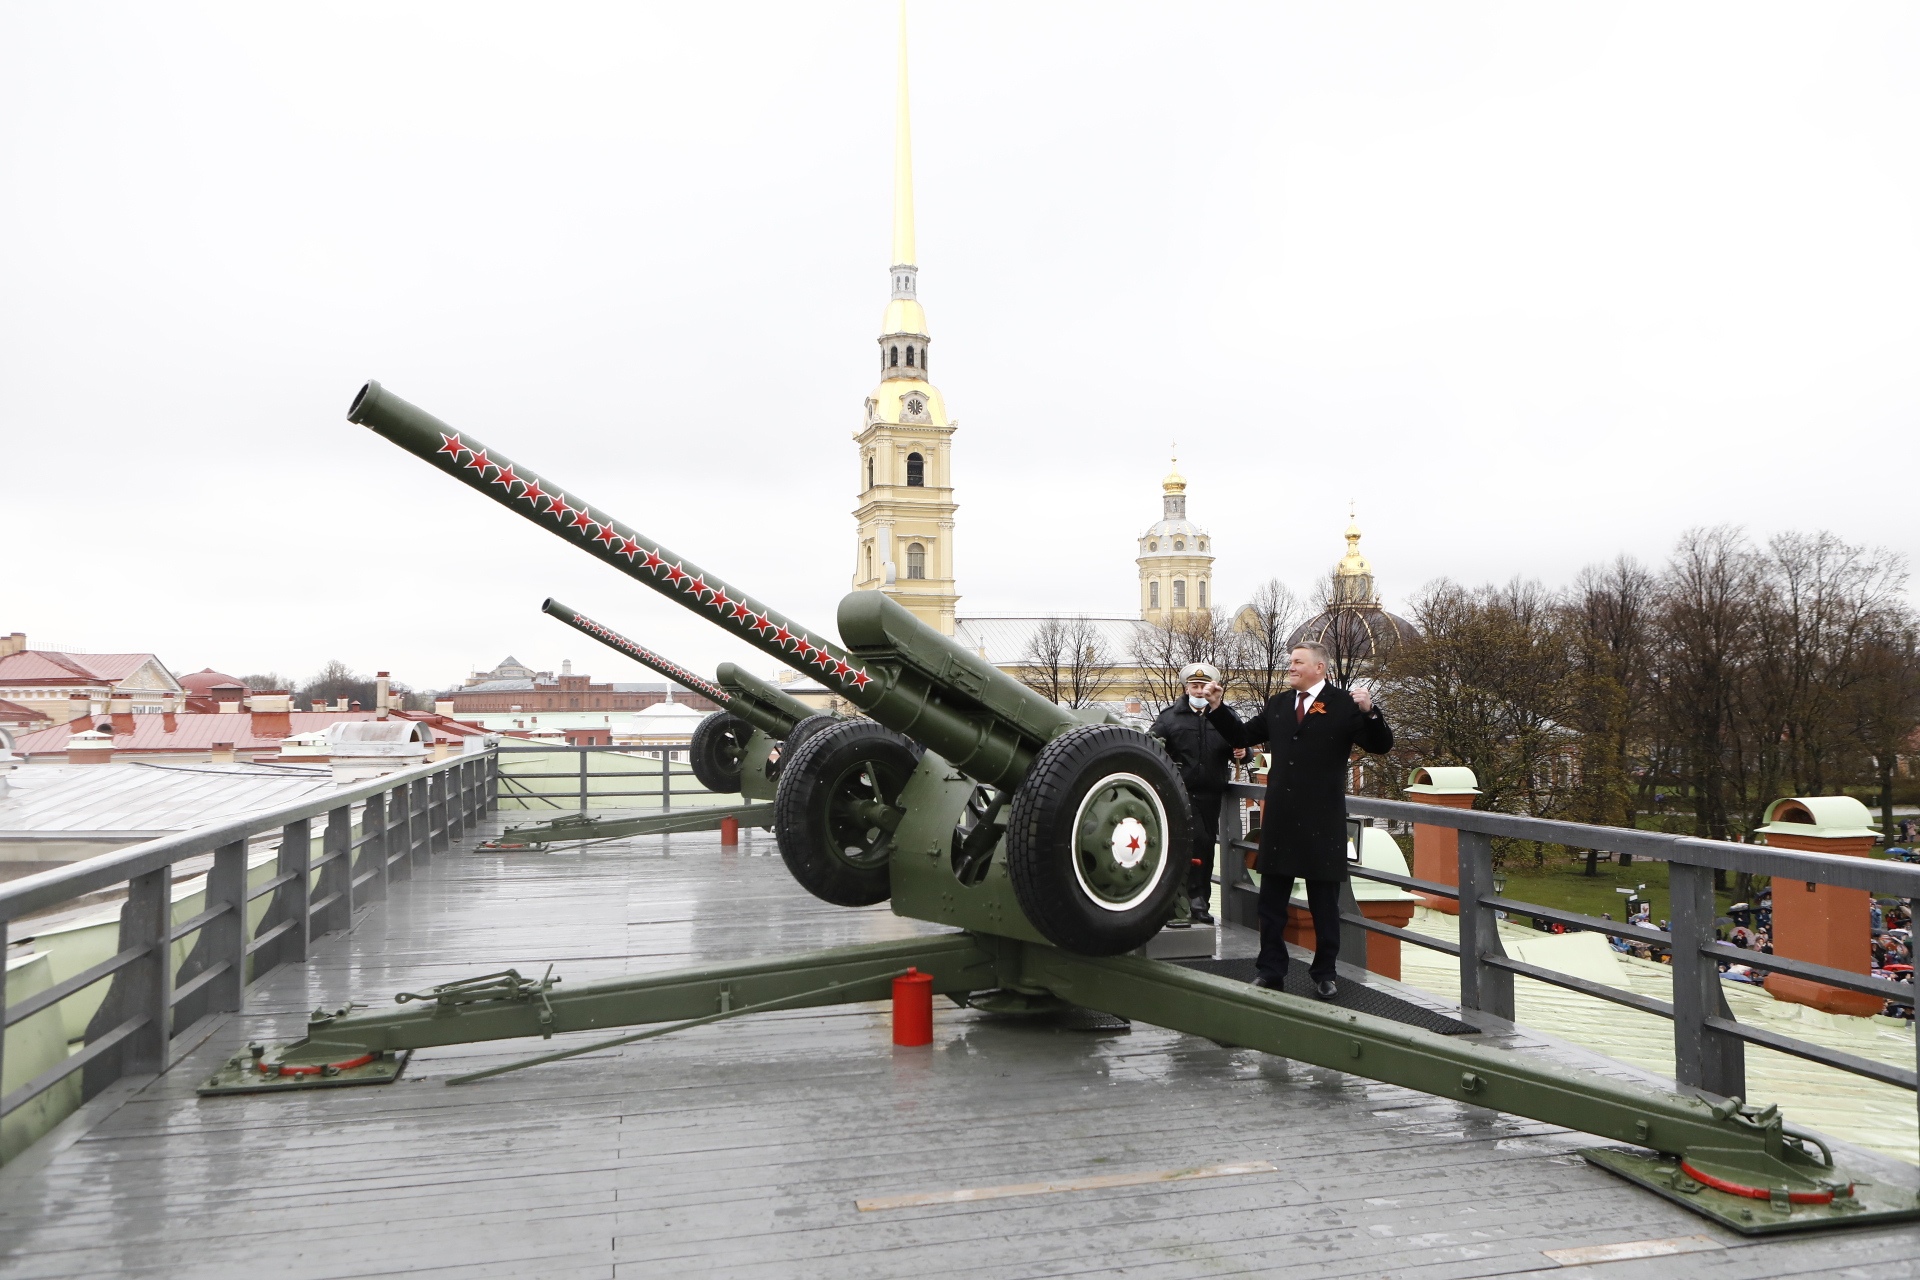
x: 1303, y: 830
x: 1205, y: 758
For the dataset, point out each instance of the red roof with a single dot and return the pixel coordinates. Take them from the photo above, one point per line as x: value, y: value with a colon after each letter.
x: 205, y: 679
x: 246, y: 731
x: 48, y: 666
x: 14, y: 713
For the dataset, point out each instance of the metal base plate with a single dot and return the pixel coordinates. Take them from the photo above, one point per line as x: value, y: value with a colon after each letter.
x: 1191, y: 942
x: 239, y: 1074
x: 1870, y: 1202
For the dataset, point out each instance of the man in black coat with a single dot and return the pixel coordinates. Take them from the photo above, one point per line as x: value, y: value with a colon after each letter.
x: 1204, y: 758
x: 1310, y: 734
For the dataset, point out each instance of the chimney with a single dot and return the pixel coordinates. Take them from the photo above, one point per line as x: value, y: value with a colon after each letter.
x: 319, y: 705
x: 566, y: 666
x: 444, y: 707
x: 90, y: 747
x: 120, y: 708
x: 78, y: 705
x: 270, y: 718
x: 228, y: 697
x: 382, y: 695
x: 168, y: 721
x: 222, y: 753
x: 339, y: 704
x: 15, y: 643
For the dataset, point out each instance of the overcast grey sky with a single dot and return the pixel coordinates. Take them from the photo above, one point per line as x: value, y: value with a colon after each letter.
x: 1536, y: 283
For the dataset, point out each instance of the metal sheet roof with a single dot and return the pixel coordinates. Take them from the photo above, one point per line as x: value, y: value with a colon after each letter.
x: 146, y: 798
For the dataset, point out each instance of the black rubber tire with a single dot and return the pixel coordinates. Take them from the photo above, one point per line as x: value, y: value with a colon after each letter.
x: 716, y: 751
x: 1059, y: 897
x: 830, y: 852
x: 798, y: 735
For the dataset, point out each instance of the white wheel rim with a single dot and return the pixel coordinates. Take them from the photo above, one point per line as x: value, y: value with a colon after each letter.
x: 1147, y: 890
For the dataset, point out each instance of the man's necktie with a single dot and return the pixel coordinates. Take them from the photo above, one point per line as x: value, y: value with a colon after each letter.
x: 1300, y: 706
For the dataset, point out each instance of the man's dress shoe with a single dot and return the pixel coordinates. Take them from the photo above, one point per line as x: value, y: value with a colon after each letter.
x: 1271, y: 984
x: 1197, y: 909
x: 1325, y: 988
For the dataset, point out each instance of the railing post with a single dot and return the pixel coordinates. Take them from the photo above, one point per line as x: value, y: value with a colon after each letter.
x: 3, y: 1001
x: 399, y: 850
x: 222, y: 940
x: 336, y: 876
x: 1703, y: 1058
x: 144, y: 989
x: 456, y: 802
x: 289, y: 901
x: 373, y: 847
x: 666, y: 780
x: 437, y: 838
x: 1482, y: 986
x: 583, y: 779
x: 493, y: 782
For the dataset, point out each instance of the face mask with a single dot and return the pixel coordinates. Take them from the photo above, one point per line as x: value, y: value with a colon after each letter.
x: 1198, y: 704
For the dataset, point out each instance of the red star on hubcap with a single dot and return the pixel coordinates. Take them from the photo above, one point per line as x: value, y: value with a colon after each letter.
x: 479, y: 461
x: 582, y: 519
x: 451, y: 446
x: 653, y: 561
x: 1133, y: 842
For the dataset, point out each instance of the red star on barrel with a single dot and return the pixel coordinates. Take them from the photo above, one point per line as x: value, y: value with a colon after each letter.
x: 559, y: 509
x: 781, y: 637
x: 861, y: 679
x: 721, y: 600
x: 479, y: 461
x: 533, y: 492
x: 606, y: 535
x: 823, y: 659
x: 697, y: 585
x: 507, y: 478
x: 803, y: 648
x: 840, y: 668
x: 741, y: 611
x: 653, y: 561
x: 451, y: 446
x: 582, y: 519
x: 629, y: 548
x: 675, y: 574
x: 759, y: 623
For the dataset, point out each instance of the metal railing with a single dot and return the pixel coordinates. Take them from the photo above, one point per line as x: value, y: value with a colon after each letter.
x: 657, y: 775
x: 405, y: 818
x: 1709, y: 1043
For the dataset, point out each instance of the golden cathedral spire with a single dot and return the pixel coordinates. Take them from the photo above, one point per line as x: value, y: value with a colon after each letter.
x: 902, y: 158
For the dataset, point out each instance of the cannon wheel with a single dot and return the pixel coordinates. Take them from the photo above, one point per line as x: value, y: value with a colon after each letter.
x: 799, y: 734
x: 1097, y: 839
x: 829, y: 810
x: 716, y: 751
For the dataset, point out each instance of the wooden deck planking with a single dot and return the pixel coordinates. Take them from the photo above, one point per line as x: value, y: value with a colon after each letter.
x: 741, y: 1148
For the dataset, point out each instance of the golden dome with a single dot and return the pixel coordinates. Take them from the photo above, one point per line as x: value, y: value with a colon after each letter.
x: 1175, y: 482
x: 1353, y: 564
x: 904, y: 315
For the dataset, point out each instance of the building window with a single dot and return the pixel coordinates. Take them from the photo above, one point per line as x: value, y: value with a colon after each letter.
x: 1153, y: 595
x: 869, y: 560
x: 1203, y: 593
x: 869, y: 471
x: 1179, y: 544
x: 1179, y: 593
x: 909, y: 355
x: 893, y: 356
x: 916, y: 471
x: 1154, y: 545
x: 916, y: 560
x: 1203, y: 544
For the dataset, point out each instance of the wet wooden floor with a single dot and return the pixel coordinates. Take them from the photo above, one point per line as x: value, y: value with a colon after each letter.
x: 741, y: 1149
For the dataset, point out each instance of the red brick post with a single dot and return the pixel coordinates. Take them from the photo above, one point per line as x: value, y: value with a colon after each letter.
x: 1817, y: 922
x: 1436, y: 850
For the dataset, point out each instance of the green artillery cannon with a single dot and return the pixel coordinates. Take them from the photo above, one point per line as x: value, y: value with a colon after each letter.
x: 1050, y: 844
x: 736, y: 749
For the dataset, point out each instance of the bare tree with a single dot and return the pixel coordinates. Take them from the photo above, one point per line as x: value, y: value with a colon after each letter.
x: 1068, y: 662
x: 1608, y: 617
x: 334, y: 681
x: 1160, y: 650
x: 1708, y: 619
x: 1886, y: 700
x: 1256, y: 642
x: 267, y: 680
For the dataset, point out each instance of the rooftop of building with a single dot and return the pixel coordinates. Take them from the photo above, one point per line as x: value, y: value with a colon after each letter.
x: 201, y: 731
x: 146, y: 798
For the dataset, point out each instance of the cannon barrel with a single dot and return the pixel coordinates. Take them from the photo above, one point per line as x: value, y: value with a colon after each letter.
x: 761, y: 705
x: 901, y: 672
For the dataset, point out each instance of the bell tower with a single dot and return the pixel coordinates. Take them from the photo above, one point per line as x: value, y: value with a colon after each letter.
x: 1175, y: 560
x: 904, y: 541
